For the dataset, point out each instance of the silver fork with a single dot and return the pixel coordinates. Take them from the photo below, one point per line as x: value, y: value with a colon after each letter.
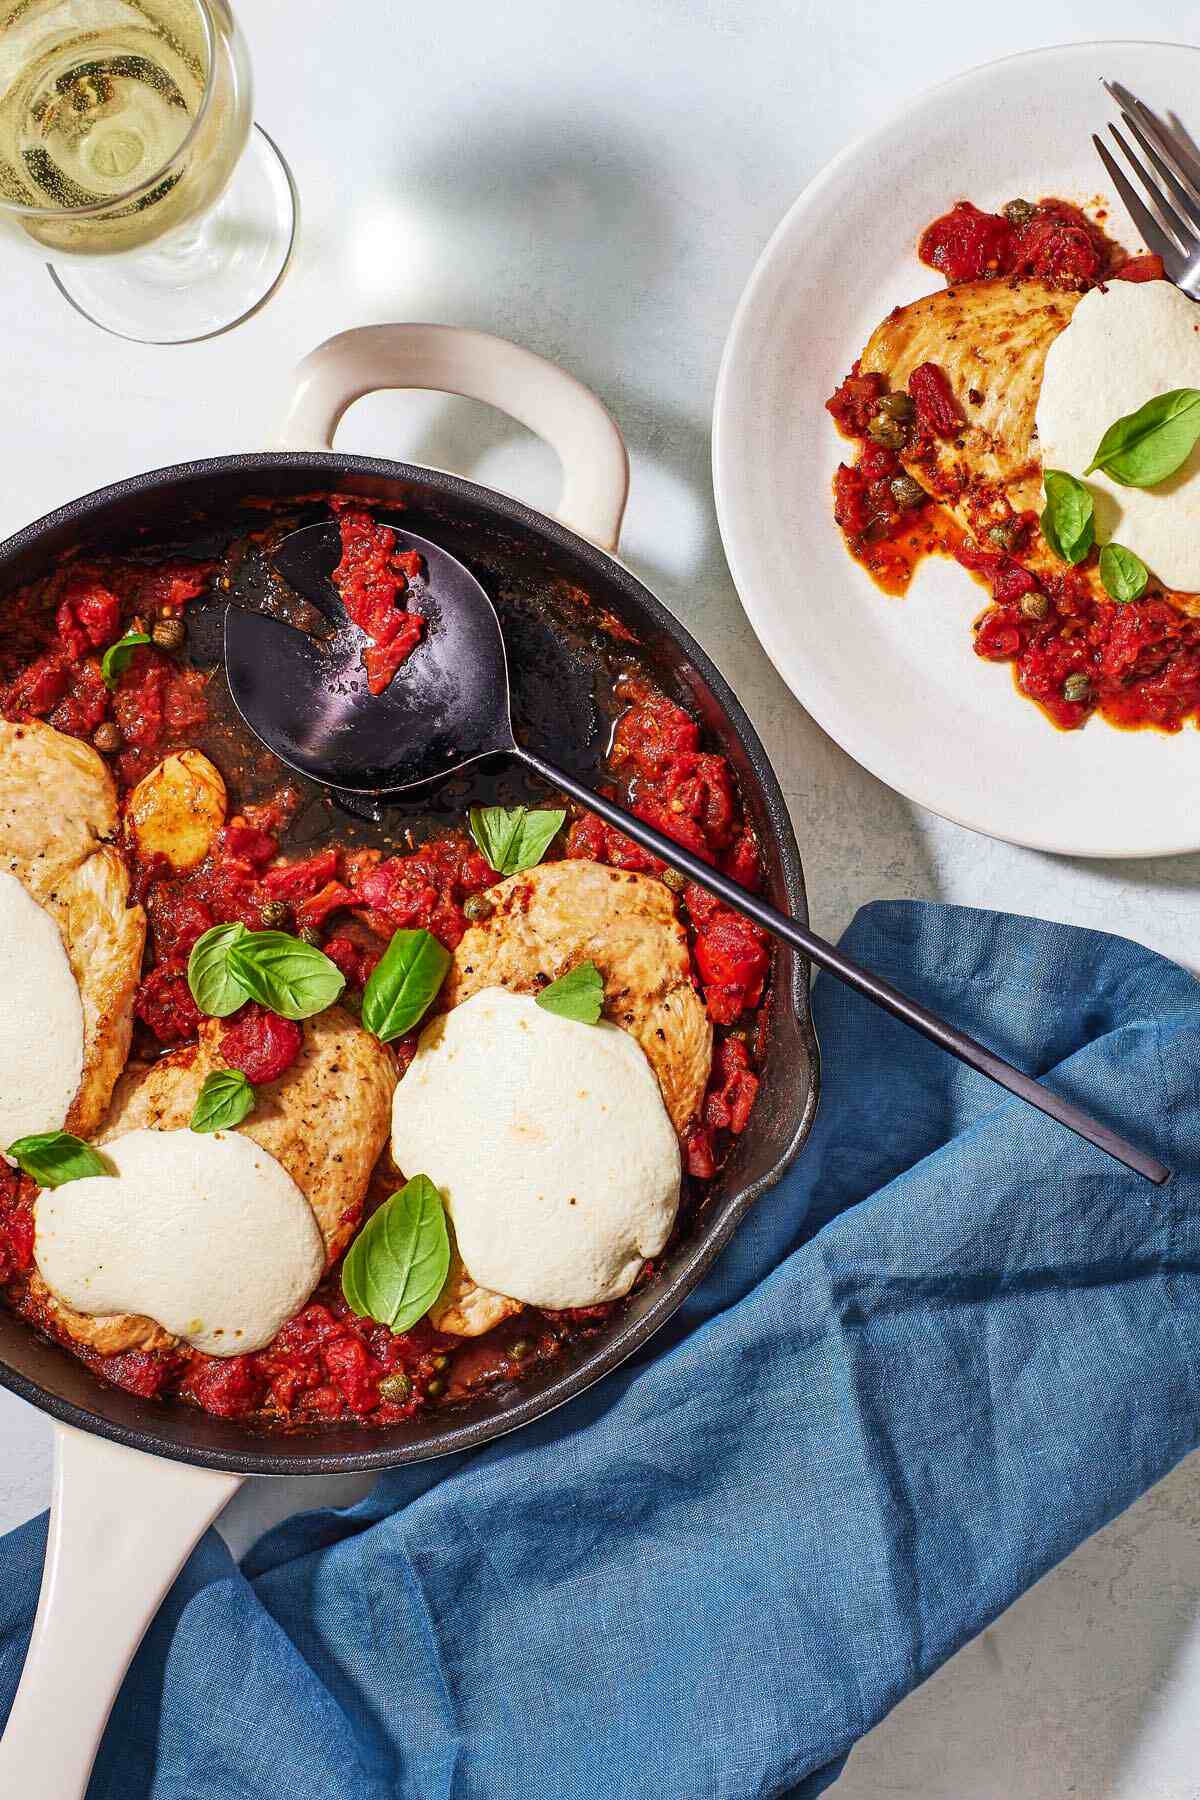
x: 1172, y: 230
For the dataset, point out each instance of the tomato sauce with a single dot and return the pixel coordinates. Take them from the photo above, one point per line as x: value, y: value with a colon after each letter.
x: 326, y: 1364
x: 372, y: 577
x: 1073, y: 651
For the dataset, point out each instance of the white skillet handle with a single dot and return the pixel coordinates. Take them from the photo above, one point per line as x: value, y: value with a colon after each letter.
x: 121, y: 1526
x: 449, y: 359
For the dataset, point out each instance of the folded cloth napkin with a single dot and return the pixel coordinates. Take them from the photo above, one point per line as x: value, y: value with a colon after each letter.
x: 948, y: 1346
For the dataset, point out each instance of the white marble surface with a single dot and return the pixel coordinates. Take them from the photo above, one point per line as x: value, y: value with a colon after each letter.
x: 596, y: 182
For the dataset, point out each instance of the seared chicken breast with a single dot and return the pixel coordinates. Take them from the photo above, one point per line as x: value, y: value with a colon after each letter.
x: 562, y: 913
x: 464, y: 1309
x: 547, y: 920
x: 326, y: 1121
x: 58, y: 815
x: 990, y: 339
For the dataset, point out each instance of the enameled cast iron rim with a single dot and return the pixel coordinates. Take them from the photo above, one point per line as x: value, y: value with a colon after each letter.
x: 258, y: 1458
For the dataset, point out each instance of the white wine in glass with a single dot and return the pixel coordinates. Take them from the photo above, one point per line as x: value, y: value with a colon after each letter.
x: 127, y: 156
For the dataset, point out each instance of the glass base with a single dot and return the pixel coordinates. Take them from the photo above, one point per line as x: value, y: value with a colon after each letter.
x: 206, y: 281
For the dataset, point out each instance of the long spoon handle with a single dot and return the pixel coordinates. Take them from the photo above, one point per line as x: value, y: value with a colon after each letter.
x: 872, y: 987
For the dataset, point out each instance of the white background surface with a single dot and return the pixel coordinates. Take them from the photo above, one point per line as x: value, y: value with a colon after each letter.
x: 596, y: 181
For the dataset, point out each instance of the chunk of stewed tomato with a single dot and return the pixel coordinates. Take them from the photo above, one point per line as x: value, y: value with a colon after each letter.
x: 261, y: 1044
x: 732, y: 960
x: 966, y: 244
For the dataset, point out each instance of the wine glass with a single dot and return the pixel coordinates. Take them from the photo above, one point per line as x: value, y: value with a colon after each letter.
x: 128, y: 156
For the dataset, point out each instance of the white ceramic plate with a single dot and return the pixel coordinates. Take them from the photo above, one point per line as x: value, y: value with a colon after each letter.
x: 896, y: 682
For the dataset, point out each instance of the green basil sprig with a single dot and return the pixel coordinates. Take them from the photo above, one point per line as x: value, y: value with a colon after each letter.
x: 215, y: 989
x: 116, y: 658
x: 404, y: 983
x: 1124, y: 575
x: 282, y: 972
x: 1147, y: 446
x: 514, y: 838
x: 230, y: 965
x: 579, y: 994
x: 52, y: 1158
x: 397, y: 1265
x: 1068, y: 524
x: 225, y: 1099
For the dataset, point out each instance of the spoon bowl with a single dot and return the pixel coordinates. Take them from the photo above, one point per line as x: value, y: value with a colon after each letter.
x: 307, y: 697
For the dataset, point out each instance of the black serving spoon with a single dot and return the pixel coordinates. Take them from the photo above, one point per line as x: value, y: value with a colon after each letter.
x: 308, y: 701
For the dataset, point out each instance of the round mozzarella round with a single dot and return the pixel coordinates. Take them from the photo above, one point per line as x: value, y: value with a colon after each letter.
x: 204, y: 1232
x: 41, y: 1019
x: 1125, y: 344
x: 550, y: 1143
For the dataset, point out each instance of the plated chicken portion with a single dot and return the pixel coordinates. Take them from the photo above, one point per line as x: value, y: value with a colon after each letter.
x: 1047, y: 347
x: 989, y: 339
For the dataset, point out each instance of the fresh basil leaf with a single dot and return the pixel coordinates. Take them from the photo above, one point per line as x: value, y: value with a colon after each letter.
x: 1068, y: 525
x: 514, y: 838
x: 282, y: 972
x: 55, y: 1157
x: 579, y: 994
x: 404, y: 983
x: 397, y: 1265
x: 115, y: 660
x: 215, y: 988
x: 1148, y: 445
x: 1124, y: 575
x: 224, y: 1100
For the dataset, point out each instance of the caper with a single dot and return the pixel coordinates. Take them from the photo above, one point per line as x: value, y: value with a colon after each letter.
x: 312, y: 934
x: 1005, y: 535
x: 439, y: 1363
x: 395, y: 1387
x: 433, y: 1388
x: 885, y: 431
x: 1077, y: 688
x: 478, y: 906
x: 1019, y: 212
x: 107, y: 737
x: 897, y: 406
x: 275, y: 913
x: 906, y: 492
x: 674, y: 880
x: 169, y: 633
x: 1035, y: 605
x: 520, y: 1349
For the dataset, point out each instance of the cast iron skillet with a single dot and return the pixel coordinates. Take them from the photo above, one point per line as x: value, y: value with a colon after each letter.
x: 528, y: 562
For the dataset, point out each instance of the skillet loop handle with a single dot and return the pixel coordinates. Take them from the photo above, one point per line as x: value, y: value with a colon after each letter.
x: 121, y: 1526
x: 450, y: 359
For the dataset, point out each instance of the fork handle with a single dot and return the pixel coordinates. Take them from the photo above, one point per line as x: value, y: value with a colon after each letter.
x: 872, y: 987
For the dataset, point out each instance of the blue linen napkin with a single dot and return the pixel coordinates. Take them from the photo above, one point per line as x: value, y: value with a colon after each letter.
x: 952, y: 1343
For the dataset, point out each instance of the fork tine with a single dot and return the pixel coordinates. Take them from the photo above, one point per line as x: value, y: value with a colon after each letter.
x: 1181, y: 158
x: 1183, y: 198
x: 1153, y: 235
x: 1182, y: 233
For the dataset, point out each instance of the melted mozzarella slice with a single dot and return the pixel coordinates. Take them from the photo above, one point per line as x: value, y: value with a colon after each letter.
x: 204, y: 1232
x: 1125, y: 344
x: 41, y: 1019
x: 550, y: 1142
